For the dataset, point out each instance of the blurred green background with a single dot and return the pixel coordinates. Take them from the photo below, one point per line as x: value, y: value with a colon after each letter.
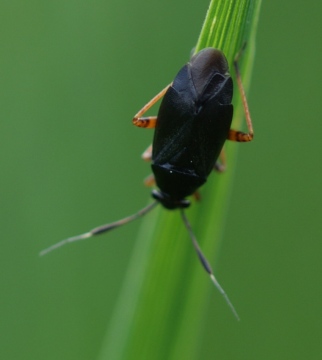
x: 73, y: 73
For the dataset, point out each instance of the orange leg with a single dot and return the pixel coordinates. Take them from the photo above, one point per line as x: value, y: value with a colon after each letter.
x: 235, y: 135
x: 197, y: 195
x: 149, y: 180
x: 148, y: 122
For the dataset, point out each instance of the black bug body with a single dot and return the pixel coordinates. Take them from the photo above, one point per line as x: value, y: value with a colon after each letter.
x: 191, y: 128
x: 193, y: 123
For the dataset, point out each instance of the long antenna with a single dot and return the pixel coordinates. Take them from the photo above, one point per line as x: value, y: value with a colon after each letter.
x: 100, y: 230
x: 206, y: 264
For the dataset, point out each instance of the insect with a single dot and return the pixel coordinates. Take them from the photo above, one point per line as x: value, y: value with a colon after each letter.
x: 192, y: 125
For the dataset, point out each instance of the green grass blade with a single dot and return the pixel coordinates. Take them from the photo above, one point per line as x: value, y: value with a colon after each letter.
x: 161, y: 307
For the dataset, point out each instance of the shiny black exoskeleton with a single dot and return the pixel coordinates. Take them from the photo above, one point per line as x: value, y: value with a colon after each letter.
x: 193, y: 123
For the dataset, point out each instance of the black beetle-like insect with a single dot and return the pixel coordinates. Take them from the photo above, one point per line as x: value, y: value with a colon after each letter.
x: 191, y: 128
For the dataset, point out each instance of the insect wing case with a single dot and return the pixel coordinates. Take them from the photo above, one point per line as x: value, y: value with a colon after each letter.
x: 193, y: 123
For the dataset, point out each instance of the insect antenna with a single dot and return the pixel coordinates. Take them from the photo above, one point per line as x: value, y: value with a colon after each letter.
x: 100, y: 229
x: 206, y: 264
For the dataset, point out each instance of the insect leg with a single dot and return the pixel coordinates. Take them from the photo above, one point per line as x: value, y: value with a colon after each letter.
x: 147, y: 155
x: 239, y: 135
x: 149, y: 121
x: 220, y: 165
x: 197, y: 195
x: 149, y: 180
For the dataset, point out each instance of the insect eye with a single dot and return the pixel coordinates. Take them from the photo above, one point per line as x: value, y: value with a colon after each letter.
x: 168, y: 202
